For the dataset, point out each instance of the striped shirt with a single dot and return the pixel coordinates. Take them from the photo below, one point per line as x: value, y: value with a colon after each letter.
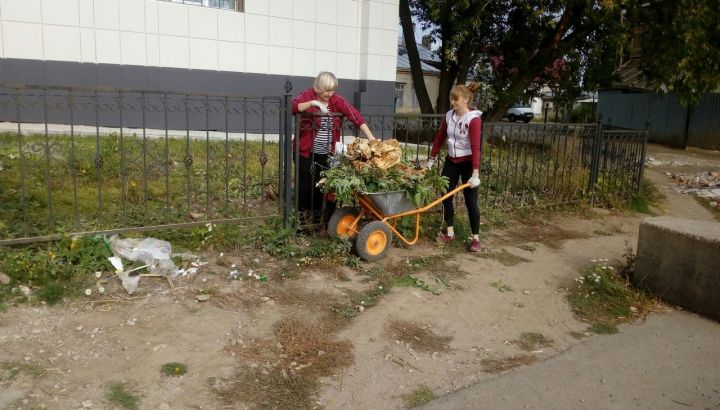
x: 321, y: 144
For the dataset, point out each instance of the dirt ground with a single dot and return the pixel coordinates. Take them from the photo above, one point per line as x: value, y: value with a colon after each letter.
x: 67, y: 356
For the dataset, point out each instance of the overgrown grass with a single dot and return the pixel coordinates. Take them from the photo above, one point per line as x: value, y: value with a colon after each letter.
x: 648, y: 196
x: 603, y: 298
x: 51, y: 271
x: 119, y: 395
x: 116, y: 182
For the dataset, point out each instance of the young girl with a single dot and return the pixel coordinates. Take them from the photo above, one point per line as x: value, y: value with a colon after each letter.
x: 462, y: 128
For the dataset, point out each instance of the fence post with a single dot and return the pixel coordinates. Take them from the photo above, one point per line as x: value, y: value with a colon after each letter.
x: 595, y: 160
x: 642, y: 155
x: 287, y: 149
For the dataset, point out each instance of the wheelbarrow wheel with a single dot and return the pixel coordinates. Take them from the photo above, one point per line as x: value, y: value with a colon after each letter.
x: 340, y: 221
x: 373, y: 241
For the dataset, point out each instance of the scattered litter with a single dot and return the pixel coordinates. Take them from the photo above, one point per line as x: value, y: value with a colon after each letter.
x: 4, y: 279
x: 202, y: 297
x: 526, y: 292
x: 184, y: 272
x: 703, y: 184
x: 154, y: 253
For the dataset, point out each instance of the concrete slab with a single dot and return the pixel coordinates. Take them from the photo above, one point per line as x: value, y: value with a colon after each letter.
x: 679, y: 260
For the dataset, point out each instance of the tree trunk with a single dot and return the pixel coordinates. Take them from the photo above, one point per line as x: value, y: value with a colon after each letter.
x: 412, y: 52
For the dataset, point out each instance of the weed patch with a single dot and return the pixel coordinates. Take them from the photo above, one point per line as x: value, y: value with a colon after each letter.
x: 648, y: 196
x: 53, y: 270
x: 603, y: 297
x: 418, y: 397
x: 530, y: 341
x: 420, y: 337
x: 500, y: 365
x: 174, y: 369
x: 119, y: 395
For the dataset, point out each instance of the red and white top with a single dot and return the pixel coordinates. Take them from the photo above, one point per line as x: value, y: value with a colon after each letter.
x: 463, y: 135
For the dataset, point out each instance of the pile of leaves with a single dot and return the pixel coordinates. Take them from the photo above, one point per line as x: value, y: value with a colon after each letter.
x: 377, y: 167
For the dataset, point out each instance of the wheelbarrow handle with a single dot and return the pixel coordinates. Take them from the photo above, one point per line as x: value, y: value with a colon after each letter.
x: 435, y: 202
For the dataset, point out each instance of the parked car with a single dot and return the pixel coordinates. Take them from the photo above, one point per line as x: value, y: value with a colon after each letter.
x: 521, y: 112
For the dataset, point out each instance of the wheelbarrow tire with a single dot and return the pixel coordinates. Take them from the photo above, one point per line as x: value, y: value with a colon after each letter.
x: 373, y: 241
x: 340, y: 221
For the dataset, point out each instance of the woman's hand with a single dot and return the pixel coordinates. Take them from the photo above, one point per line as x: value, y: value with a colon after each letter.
x: 320, y: 105
x: 475, y: 179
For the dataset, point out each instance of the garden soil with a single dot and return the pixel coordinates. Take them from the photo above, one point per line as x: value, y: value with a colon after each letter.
x: 68, y: 356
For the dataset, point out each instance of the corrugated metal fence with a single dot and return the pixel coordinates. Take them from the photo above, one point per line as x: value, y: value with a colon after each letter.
x: 670, y: 122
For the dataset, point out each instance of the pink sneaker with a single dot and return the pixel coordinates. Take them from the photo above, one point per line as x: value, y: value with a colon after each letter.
x: 474, y: 246
x: 444, y: 237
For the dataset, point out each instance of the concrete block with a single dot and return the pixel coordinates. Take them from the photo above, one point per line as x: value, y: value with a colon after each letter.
x: 679, y: 260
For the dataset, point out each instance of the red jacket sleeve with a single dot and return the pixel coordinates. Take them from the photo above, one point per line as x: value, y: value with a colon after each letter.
x: 340, y: 104
x: 439, y: 139
x: 307, y: 95
x: 475, y: 132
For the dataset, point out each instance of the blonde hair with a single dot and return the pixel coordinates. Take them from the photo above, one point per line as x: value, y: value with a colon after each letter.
x: 465, y: 91
x: 325, y: 81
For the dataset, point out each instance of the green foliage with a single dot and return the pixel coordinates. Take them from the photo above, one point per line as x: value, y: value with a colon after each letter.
x: 680, y: 45
x: 583, y: 113
x: 52, y: 270
x: 566, y: 45
x: 344, y: 181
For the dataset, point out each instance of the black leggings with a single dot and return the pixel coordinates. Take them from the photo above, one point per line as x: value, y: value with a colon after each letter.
x: 454, y: 171
x: 310, y: 197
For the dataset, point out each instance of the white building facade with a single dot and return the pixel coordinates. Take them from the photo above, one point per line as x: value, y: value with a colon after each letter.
x: 203, y: 46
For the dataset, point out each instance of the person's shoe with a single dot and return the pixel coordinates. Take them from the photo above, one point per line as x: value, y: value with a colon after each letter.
x: 443, y: 237
x: 474, y: 246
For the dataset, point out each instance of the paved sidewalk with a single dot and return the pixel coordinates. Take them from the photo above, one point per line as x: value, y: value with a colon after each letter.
x: 668, y: 362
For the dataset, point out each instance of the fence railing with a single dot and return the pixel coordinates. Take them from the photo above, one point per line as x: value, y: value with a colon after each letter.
x: 109, y: 160
x: 522, y: 164
x: 85, y: 160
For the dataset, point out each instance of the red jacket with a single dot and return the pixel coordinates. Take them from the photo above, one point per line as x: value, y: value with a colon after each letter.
x: 337, y: 104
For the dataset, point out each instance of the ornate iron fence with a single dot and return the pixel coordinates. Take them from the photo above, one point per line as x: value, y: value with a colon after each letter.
x: 109, y: 160
x: 522, y: 164
x: 91, y: 160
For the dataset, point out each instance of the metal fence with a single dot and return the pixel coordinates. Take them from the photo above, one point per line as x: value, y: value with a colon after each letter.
x: 522, y: 164
x: 110, y: 161
x: 91, y: 160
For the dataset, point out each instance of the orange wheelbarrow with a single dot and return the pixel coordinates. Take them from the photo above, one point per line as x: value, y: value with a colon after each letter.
x: 374, y: 238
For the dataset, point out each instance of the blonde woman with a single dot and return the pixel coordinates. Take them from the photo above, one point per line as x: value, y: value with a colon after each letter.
x: 318, y: 138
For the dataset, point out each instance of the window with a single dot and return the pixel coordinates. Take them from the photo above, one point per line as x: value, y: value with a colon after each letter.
x: 399, y: 94
x: 415, y: 103
x: 238, y: 5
